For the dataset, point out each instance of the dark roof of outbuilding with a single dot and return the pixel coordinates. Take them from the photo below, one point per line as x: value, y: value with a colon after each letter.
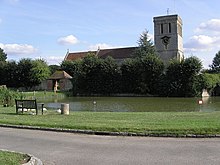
x: 59, y: 75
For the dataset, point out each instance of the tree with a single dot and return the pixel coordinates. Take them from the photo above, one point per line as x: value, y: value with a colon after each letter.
x: 73, y: 69
x: 11, y: 74
x: 215, y: 67
x: 2, y: 73
x: 150, y: 69
x: 109, y: 76
x: 24, y: 71
x: 129, y: 76
x: 182, y: 78
x: 145, y: 45
x: 88, y: 75
x: 3, y: 55
x: 53, y: 68
x: 39, y: 72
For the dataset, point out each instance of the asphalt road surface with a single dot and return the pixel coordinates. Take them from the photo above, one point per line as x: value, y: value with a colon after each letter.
x: 72, y: 149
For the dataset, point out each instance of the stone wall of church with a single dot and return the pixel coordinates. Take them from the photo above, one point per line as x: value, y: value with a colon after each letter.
x: 168, y: 37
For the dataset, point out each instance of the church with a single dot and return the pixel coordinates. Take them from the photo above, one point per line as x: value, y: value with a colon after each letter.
x: 168, y: 41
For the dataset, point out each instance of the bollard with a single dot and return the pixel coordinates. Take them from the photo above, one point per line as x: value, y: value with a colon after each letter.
x: 65, y: 109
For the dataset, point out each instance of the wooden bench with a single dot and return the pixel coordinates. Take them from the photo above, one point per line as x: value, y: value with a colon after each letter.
x: 28, y: 104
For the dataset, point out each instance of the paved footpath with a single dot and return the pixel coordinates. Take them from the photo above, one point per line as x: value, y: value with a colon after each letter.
x: 72, y: 149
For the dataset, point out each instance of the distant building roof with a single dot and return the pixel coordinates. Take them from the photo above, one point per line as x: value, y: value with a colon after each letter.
x: 116, y: 53
x: 59, y: 75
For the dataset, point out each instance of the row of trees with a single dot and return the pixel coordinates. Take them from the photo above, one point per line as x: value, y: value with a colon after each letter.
x: 26, y: 73
x: 140, y: 75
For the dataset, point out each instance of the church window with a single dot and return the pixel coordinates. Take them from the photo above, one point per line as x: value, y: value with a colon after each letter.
x: 169, y: 27
x: 161, y: 28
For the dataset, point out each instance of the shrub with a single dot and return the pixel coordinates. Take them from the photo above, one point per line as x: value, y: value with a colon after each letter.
x: 7, y: 96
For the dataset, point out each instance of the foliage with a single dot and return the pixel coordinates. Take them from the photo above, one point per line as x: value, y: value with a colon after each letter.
x: 150, y: 68
x: 182, y: 78
x: 9, y: 74
x: 71, y: 67
x: 215, y: 67
x: 96, y: 76
x: 145, y: 45
x: 3, y: 73
x: 53, y: 68
x: 39, y: 72
x: 8, y: 96
x: 129, y: 76
x: 3, y: 55
x: 26, y: 73
x: 209, y: 81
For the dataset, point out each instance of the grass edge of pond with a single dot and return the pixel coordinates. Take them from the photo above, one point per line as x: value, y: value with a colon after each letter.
x: 162, y: 123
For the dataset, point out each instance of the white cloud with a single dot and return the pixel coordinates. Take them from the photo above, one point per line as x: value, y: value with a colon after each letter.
x: 51, y: 60
x: 18, y: 49
x: 211, y: 25
x: 100, y: 46
x: 68, y: 40
x: 0, y: 20
x: 201, y: 43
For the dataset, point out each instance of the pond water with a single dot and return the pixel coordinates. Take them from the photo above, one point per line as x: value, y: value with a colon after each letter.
x: 137, y: 104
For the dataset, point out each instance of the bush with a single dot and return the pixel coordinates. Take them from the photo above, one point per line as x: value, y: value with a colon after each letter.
x: 8, y: 96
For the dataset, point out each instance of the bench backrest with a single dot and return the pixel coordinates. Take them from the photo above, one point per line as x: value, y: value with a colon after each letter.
x: 31, y: 104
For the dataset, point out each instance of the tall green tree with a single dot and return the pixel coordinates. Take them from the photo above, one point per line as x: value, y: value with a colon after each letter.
x: 11, y: 74
x: 145, y: 45
x: 3, y: 55
x: 40, y: 71
x: 215, y: 67
x: 24, y: 71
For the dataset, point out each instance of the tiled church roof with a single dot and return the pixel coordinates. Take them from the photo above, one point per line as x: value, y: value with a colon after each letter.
x: 116, y: 53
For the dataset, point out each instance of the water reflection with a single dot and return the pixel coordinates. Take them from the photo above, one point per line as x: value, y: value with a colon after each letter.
x: 138, y: 104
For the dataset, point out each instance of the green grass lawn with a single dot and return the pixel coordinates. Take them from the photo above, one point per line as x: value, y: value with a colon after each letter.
x: 11, y: 158
x: 178, y: 123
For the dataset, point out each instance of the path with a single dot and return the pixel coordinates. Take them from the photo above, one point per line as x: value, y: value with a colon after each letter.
x: 72, y: 149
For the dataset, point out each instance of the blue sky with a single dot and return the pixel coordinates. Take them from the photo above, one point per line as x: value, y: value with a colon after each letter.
x: 48, y: 28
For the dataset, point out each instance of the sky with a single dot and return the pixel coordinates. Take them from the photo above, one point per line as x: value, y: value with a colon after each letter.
x: 47, y: 29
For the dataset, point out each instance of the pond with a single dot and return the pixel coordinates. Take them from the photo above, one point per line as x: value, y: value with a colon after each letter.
x: 137, y: 104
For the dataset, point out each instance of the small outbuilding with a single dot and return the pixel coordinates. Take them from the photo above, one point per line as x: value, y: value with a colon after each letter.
x: 59, y: 80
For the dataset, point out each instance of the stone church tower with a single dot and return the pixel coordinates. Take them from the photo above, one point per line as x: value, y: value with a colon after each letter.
x: 168, y: 37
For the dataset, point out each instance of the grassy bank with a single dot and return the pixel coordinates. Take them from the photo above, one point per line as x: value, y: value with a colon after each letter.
x: 178, y: 123
x: 11, y: 158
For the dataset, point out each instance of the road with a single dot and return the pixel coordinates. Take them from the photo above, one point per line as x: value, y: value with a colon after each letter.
x: 73, y: 149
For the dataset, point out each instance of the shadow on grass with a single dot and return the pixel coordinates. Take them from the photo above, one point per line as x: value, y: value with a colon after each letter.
x: 5, y: 113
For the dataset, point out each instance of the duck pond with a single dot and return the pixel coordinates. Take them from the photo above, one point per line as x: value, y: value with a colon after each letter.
x: 137, y: 104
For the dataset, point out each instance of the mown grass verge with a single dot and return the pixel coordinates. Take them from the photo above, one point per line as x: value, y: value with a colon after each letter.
x: 12, y: 158
x: 159, y: 123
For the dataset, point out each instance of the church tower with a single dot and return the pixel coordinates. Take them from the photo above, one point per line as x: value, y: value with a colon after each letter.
x: 168, y: 37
